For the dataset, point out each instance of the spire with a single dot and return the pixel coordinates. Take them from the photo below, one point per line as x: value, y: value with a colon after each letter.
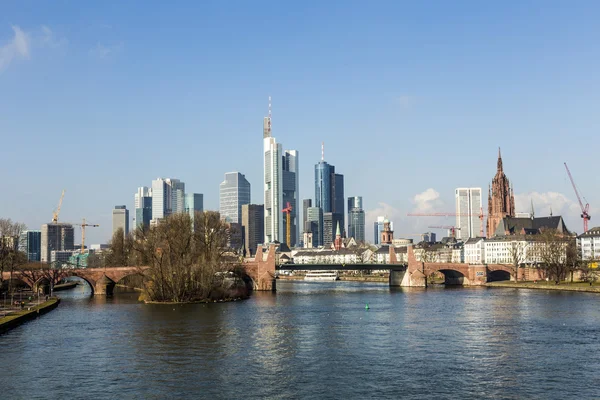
x: 337, y: 231
x: 322, y: 151
x: 532, y: 211
x: 499, y: 160
x: 550, y: 211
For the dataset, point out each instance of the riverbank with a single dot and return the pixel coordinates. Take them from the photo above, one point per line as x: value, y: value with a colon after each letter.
x: 565, y: 286
x: 27, y: 314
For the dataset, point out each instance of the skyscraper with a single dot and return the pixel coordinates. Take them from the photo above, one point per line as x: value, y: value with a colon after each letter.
x: 194, y: 202
x: 234, y: 192
x: 306, y: 203
x: 30, y: 243
x: 337, y: 199
x: 143, y: 206
x: 501, y: 199
x: 120, y: 219
x: 162, y: 199
x: 273, y: 153
x: 314, y: 222
x: 468, y: 208
x: 356, y: 219
x: 56, y: 237
x: 290, y: 194
x: 378, y: 228
x: 178, y: 195
x: 330, y: 223
x: 253, y: 227
x: 329, y: 194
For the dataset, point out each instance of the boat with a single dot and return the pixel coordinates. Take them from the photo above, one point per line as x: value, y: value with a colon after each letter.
x: 321, y: 276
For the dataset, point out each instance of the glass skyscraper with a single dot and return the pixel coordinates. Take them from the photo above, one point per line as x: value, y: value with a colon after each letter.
x: 234, y: 192
x: 314, y: 222
x: 194, y: 202
x: 329, y: 196
x: 30, y: 243
x: 356, y: 219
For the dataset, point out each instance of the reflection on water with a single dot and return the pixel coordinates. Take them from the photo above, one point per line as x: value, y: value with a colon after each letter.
x: 312, y: 340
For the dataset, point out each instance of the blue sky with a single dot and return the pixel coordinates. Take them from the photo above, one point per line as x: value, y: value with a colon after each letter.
x: 412, y: 100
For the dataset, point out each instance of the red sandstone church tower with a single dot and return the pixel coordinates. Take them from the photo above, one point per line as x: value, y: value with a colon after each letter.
x: 501, y: 199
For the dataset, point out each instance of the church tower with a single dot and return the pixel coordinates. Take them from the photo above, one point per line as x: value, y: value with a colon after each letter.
x: 501, y: 199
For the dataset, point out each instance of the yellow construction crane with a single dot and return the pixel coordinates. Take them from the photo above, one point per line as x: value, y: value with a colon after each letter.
x: 55, y: 213
x: 288, y: 235
x: 83, y: 225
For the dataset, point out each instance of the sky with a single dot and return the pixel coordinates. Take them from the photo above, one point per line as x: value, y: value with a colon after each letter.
x: 412, y: 100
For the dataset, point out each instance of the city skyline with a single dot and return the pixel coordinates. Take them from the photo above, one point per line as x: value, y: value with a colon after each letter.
x: 394, y: 102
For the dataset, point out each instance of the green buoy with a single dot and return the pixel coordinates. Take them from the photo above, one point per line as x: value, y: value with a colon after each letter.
x: 367, y: 306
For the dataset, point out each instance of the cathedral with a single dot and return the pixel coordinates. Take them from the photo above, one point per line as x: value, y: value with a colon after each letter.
x: 501, y: 199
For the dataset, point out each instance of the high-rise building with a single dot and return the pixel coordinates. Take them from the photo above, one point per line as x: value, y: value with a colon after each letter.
x: 194, y: 202
x: 306, y: 204
x: 178, y: 194
x: 468, y: 209
x: 290, y: 195
x: 234, y: 192
x: 329, y: 194
x: 337, y: 200
x: 330, y: 222
x: 253, y: 227
x: 377, y: 229
x: 30, y: 243
x: 428, y: 237
x: 356, y: 219
x: 56, y: 237
x: 273, y: 156
x: 143, y: 206
x: 314, y: 225
x: 120, y: 219
x: 501, y: 199
x: 162, y: 199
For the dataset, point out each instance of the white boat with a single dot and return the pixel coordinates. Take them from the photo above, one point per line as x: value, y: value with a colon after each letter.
x: 321, y: 276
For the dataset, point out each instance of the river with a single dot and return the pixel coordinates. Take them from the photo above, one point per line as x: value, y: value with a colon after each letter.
x: 312, y: 340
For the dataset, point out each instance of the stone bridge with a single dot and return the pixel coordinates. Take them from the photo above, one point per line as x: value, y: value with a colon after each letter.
x: 261, y: 271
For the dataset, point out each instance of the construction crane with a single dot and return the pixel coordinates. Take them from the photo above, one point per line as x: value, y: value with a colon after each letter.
x: 57, y: 211
x: 288, y: 229
x: 585, y: 210
x: 451, y: 228
x: 83, y: 225
x: 481, y: 216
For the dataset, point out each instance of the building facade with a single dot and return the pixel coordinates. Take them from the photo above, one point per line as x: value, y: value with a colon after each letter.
x: 589, y: 244
x: 306, y: 204
x: 330, y: 222
x: 56, y: 237
x: 501, y: 199
x: 30, y: 243
x: 234, y: 192
x: 356, y: 219
x: 253, y: 216
x: 120, y: 219
x: 143, y: 206
x: 468, y: 209
x: 194, y: 202
x: 314, y: 221
x: 162, y: 199
x: 273, y: 153
x: 290, y: 195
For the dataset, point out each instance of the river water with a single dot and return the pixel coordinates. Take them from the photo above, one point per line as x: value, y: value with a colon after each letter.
x: 312, y: 340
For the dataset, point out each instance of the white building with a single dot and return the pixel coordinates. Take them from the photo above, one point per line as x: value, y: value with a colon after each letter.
x: 120, y: 219
x: 468, y: 208
x: 589, y: 244
x: 234, y: 192
x: 168, y: 197
x: 273, y: 153
x: 475, y: 251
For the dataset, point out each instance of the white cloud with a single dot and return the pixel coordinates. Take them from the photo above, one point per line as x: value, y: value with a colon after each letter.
x: 49, y: 39
x: 17, y: 47
x: 543, y: 203
x: 428, y: 201
x: 102, y: 52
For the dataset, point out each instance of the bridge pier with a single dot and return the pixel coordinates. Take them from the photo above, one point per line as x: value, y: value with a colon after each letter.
x: 396, y: 277
x: 104, y: 286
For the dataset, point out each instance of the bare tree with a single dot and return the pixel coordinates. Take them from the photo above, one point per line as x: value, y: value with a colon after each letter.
x: 517, y: 256
x: 186, y: 258
x: 119, y: 249
x: 551, y: 250
x: 10, y: 257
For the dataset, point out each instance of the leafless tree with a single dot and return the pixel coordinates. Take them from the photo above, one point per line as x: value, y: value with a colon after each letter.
x: 186, y: 259
x: 517, y: 256
x: 551, y: 249
x: 119, y: 252
x: 10, y: 256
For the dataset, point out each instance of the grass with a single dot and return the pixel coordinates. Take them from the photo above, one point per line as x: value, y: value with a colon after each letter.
x: 24, y: 311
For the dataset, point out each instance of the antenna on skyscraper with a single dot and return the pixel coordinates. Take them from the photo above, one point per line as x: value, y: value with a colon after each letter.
x: 322, y: 151
x: 269, y: 115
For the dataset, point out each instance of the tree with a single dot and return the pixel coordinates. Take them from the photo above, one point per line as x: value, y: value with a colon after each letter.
x: 10, y: 257
x: 517, y: 256
x: 551, y: 250
x: 186, y: 258
x: 573, y: 259
x: 119, y: 249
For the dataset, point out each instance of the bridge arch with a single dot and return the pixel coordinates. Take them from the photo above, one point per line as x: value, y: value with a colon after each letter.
x: 498, y: 275
x: 454, y: 277
x: 91, y: 283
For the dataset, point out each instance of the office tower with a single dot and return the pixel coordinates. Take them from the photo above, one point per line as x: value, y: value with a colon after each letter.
x: 120, y: 219
x: 329, y: 193
x: 143, y: 206
x: 30, y: 243
x: 356, y: 219
x: 194, y: 202
x: 429, y: 237
x: 330, y: 222
x: 290, y: 195
x: 468, y: 208
x: 253, y: 216
x: 162, y: 199
x: 56, y: 237
x: 337, y: 200
x: 273, y: 156
x: 314, y: 222
x: 234, y: 192
x: 306, y: 204
x: 178, y: 196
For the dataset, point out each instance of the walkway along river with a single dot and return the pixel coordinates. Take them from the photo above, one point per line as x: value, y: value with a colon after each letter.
x: 312, y: 340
